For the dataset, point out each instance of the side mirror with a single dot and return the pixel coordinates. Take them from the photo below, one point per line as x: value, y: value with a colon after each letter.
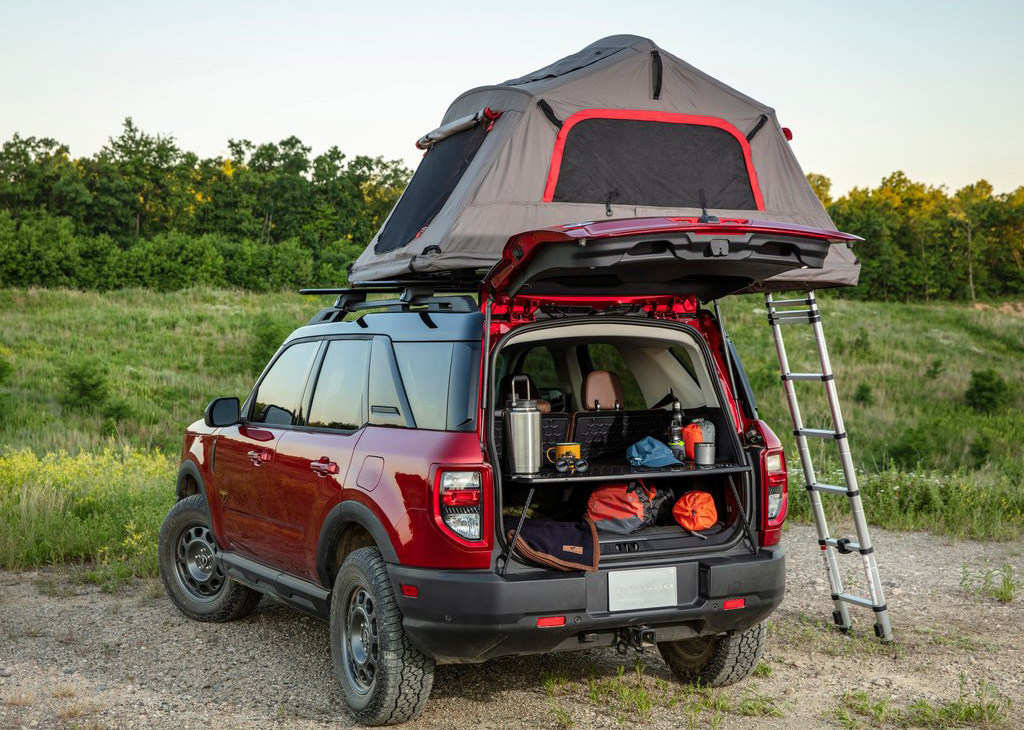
x: 222, y: 412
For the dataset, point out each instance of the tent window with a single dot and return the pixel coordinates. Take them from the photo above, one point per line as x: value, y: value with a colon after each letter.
x: 657, y: 159
x: 436, y: 177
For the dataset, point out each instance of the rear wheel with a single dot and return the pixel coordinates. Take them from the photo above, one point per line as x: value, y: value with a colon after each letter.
x: 190, y: 571
x: 715, y: 660
x: 386, y: 679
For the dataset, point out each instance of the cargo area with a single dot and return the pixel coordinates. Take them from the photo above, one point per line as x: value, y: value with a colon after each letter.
x: 606, y: 385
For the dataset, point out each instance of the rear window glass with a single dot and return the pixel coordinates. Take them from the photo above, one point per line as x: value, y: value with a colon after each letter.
x: 441, y: 382
x: 435, y: 179
x: 655, y: 163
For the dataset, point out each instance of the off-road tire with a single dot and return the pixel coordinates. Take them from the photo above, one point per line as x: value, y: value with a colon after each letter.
x: 225, y: 599
x: 398, y: 687
x: 715, y: 660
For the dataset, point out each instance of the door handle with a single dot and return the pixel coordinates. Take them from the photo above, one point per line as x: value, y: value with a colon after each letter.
x: 259, y: 457
x: 323, y: 467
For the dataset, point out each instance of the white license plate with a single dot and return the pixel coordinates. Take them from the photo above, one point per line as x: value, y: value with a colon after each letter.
x: 629, y: 590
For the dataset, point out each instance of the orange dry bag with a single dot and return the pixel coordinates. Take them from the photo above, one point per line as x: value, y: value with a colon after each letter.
x: 692, y: 434
x: 695, y: 511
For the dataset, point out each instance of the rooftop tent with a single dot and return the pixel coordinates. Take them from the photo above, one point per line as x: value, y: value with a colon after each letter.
x: 621, y: 129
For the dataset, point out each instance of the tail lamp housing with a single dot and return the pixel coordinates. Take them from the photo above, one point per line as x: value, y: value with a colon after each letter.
x: 775, y: 494
x: 459, y: 503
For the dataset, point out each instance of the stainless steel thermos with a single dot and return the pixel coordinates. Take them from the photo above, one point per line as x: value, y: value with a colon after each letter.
x: 522, y: 430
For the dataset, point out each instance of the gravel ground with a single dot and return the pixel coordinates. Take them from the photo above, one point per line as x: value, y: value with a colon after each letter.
x: 73, y: 657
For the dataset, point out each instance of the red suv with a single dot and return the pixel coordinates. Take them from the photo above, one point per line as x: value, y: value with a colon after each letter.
x: 365, y: 479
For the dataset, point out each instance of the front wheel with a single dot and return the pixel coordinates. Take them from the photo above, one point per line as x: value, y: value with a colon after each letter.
x: 715, y: 660
x: 190, y: 571
x: 386, y: 679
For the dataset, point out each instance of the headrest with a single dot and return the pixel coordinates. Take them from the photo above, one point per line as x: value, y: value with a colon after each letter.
x: 602, y: 391
x: 531, y: 393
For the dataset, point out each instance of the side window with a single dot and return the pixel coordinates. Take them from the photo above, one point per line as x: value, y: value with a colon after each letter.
x: 277, y: 398
x: 339, y: 398
x: 608, y: 357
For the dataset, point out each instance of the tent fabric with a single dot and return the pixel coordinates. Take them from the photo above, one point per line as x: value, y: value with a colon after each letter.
x: 530, y: 172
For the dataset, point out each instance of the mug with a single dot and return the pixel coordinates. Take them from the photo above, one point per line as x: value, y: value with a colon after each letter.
x: 563, y: 451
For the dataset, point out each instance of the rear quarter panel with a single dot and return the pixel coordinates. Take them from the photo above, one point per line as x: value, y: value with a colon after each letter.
x: 402, y: 497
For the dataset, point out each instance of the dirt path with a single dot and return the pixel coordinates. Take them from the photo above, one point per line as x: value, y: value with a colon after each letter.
x: 72, y: 657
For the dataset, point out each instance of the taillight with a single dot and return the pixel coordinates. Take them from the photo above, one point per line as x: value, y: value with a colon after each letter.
x: 460, y: 501
x: 776, y: 488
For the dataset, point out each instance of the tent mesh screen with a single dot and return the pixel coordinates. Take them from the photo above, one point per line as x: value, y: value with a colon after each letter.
x: 667, y: 164
x: 437, y: 175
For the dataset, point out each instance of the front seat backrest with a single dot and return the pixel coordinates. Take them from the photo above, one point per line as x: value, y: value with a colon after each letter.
x: 602, y: 391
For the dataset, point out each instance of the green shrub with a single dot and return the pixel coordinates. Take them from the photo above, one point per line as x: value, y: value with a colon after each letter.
x: 987, y: 391
x: 267, y: 334
x: 864, y: 394
x: 85, y: 386
x: 936, y: 369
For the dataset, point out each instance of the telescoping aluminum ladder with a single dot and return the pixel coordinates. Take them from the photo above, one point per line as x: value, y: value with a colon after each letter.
x: 805, y: 311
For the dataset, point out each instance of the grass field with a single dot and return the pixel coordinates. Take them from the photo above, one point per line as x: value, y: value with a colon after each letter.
x: 95, y: 390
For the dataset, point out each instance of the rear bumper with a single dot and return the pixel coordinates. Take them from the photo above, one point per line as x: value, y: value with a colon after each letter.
x: 473, y: 615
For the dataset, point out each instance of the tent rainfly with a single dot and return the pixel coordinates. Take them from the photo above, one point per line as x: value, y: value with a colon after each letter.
x: 621, y: 129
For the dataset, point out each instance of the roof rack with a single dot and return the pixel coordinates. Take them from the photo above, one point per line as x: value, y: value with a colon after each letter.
x: 411, y: 293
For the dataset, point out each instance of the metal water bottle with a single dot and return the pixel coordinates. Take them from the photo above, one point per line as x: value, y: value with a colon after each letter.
x: 522, y: 430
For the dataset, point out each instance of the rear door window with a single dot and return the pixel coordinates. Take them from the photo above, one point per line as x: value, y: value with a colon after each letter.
x: 277, y: 396
x: 339, y: 397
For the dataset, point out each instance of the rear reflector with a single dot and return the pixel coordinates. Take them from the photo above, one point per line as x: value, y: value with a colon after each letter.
x: 546, y: 622
x: 410, y: 591
x: 734, y: 603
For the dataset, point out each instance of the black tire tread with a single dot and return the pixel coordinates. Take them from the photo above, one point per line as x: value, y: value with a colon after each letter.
x: 405, y: 675
x: 734, y: 658
x: 236, y: 601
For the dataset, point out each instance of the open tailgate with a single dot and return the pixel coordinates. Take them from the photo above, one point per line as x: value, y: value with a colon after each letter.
x: 656, y: 256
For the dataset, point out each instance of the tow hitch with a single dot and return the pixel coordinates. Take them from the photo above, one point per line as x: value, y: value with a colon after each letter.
x: 634, y: 637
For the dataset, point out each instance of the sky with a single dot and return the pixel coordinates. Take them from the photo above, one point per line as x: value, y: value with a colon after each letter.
x: 931, y: 88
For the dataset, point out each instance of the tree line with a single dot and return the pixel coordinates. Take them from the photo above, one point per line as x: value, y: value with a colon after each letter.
x: 144, y: 212
x: 923, y: 243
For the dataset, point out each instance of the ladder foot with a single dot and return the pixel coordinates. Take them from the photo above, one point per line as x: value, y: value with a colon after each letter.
x: 837, y: 619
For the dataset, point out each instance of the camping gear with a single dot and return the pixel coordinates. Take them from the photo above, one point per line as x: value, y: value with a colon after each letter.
x: 623, y: 508
x: 522, y: 435
x: 562, y: 451
x: 704, y: 453
x: 650, y: 452
x: 620, y: 129
x: 695, y: 511
x: 697, y: 430
x: 567, y: 464
x: 805, y: 311
x: 559, y: 545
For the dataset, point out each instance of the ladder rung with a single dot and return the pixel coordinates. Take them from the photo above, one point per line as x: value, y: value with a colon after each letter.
x: 808, y: 376
x: 856, y: 600
x: 844, y: 545
x: 783, y: 302
x: 829, y: 488
x: 821, y: 433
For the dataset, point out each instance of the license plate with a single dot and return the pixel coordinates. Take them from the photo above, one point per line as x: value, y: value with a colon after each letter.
x: 629, y: 590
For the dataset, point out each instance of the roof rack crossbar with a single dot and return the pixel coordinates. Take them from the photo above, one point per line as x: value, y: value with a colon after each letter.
x: 411, y: 294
